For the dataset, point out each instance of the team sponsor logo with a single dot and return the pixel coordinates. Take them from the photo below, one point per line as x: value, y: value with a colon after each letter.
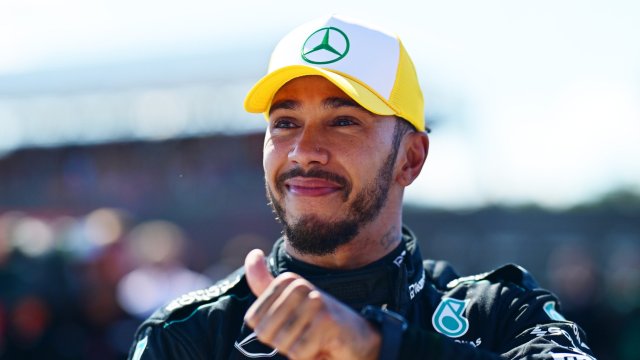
x: 325, y: 46
x: 473, y: 278
x: 550, y: 308
x: 570, y: 356
x: 538, y: 331
x: 572, y: 339
x: 576, y: 333
x: 470, y: 343
x: 200, y: 295
x: 251, y: 347
x: 140, y: 346
x: 416, y: 287
x: 398, y: 261
x: 448, y: 319
x: 552, y: 330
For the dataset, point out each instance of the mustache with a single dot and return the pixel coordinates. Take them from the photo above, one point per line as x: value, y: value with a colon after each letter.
x: 313, y: 173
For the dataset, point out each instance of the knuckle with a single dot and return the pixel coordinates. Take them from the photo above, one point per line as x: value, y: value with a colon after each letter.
x: 294, y: 353
x: 300, y: 287
x: 288, y: 277
x: 299, y: 351
x: 316, y: 300
x: 284, y: 279
x: 262, y: 335
x: 281, y: 282
x: 278, y: 343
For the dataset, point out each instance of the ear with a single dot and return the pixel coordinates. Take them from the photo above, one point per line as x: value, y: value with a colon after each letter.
x: 415, y: 147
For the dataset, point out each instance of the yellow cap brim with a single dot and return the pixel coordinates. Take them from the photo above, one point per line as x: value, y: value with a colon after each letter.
x: 259, y: 98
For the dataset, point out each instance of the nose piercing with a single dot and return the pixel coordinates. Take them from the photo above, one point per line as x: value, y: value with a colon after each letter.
x: 317, y: 148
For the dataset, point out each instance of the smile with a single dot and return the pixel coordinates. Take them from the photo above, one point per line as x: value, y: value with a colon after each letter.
x: 302, y: 186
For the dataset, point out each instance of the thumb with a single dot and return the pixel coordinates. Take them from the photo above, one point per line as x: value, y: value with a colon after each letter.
x: 258, y: 275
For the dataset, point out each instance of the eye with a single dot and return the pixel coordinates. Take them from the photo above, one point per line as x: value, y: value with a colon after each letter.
x: 284, y: 123
x: 345, y: 121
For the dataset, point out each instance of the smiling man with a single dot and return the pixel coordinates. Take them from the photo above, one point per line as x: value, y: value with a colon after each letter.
x: 346, y: 135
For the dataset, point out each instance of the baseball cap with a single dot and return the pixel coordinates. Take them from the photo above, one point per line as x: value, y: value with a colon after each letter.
x: 369, y: 64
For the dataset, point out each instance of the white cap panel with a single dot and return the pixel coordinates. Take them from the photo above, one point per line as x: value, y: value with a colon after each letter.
x: 342, y: 45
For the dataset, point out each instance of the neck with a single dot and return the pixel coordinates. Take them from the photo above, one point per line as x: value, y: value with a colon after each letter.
x: 374, y: 240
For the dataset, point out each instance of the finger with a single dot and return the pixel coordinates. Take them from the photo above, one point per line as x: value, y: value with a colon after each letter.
x: 257, y: 273
x: 336, y: 332
x: 285, y: 312
x: 312, y: 341
x: 259, y: 309
x: 294, y: 330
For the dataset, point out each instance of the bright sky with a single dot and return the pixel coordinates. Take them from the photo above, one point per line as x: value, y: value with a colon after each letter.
x: 531, y: 101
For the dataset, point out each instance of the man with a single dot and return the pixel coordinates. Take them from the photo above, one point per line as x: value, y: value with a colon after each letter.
x: 345, y: 136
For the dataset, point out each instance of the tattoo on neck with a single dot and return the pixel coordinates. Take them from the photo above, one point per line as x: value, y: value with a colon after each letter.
x: 389, y: 238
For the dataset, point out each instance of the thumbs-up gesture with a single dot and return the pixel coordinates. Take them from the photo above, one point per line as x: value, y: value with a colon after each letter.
x: 301, y: 321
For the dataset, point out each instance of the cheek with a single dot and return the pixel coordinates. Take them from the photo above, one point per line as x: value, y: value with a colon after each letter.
x: 270, y: 160
x: 366, y: 163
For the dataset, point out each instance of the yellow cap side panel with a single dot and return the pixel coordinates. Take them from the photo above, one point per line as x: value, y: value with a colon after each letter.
x: 406, y: 94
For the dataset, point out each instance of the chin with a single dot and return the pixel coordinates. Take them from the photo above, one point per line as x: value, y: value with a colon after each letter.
x: 294, y: 217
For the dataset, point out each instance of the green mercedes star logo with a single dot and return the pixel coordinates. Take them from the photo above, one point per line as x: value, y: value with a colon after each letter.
x: 325, y: 46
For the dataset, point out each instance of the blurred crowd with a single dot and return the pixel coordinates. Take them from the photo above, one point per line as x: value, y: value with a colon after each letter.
x: 77, y: 287
x: 603, y: 301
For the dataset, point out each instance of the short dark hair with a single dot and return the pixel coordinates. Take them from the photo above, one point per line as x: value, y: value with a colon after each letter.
x: 401, y: 128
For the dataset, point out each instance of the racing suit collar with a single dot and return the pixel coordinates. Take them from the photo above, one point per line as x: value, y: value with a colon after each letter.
x: 385, y: 282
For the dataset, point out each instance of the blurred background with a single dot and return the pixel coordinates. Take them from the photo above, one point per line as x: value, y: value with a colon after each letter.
x: 129, y: 172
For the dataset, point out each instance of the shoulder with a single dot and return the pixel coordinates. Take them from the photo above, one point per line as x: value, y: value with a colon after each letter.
x: 217, y: 296
x: 501, y: 285
x: 507, y: 292
x: 191, y: 325
x: 444, y: 276
x: 439, y: 272
x: 509, y: 274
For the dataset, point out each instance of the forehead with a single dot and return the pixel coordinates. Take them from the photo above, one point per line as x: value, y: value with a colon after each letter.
x: 309, y: 88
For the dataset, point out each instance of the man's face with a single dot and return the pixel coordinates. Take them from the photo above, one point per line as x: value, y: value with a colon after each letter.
x: 328, y: 164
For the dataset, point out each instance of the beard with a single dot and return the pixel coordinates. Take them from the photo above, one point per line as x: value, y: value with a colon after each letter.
x: 311, y: 235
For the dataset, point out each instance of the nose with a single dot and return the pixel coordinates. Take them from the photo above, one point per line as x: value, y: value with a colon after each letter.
x: 307, y: 150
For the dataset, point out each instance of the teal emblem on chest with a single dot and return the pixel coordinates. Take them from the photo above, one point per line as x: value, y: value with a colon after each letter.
x: 448, y: 319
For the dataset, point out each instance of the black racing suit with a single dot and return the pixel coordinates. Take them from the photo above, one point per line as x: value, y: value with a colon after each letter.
x: 501, y: 314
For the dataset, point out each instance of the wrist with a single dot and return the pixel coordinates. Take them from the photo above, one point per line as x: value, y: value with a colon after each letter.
x: 390, y: 328
x: 374, y: 343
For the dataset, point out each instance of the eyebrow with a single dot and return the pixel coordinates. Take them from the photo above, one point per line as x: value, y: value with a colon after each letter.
x: 328, y: 103
x: 284, y: 104
x: 338, y: 102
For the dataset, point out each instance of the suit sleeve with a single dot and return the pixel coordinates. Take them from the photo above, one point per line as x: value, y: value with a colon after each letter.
x: 154, y: 343
x: 195, y: 325
x: 537, y: 330
x: 522, y: 324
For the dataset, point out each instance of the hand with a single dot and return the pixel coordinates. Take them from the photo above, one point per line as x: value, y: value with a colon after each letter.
x: 302, y: 322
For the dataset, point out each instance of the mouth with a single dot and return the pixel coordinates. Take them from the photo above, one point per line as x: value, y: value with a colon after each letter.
x: 312, y: 187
